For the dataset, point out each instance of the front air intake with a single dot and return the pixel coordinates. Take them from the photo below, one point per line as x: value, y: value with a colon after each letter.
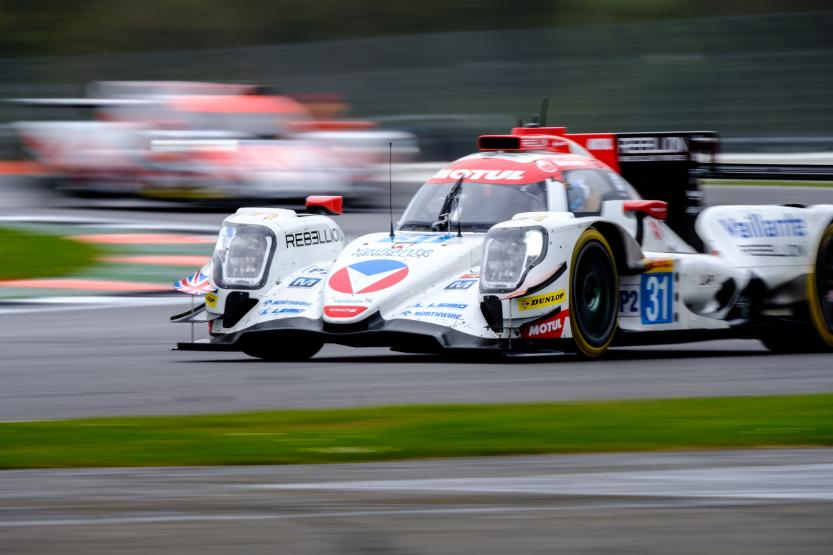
x: 499, y: 142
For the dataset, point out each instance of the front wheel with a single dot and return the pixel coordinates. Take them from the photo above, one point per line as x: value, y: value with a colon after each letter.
x: 594, y: 294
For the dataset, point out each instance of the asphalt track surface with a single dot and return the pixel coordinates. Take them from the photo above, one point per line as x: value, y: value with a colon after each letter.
x: 762, y: 502
x: 90, y: 362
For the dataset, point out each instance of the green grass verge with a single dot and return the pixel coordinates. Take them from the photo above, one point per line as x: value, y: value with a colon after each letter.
x: 400, y: 432
x: 24, y: 254
x: 765, y: 183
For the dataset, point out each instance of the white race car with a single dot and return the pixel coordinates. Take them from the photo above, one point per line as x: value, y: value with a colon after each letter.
x: 531, y: 244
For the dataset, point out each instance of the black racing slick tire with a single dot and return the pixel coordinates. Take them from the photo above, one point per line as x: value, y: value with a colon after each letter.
x: 594, y: 295
x: 817, y: 335
x: 297, y: 351
x: 820, y: 290
x: 792, y: 342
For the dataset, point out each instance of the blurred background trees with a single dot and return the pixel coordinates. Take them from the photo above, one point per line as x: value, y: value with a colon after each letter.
x: 746, y: 68
x: 56, y: 27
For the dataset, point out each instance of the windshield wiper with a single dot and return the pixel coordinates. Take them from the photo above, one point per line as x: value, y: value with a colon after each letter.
x: 445, y: 211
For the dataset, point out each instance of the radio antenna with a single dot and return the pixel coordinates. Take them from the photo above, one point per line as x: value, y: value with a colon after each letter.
x: 390, y: 187
x: 542, y: 118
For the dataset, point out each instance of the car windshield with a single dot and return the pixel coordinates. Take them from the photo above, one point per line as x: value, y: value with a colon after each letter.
x: 479, y: 206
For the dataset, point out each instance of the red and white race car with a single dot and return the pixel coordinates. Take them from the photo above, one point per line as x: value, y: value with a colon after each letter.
x: 536, y: 242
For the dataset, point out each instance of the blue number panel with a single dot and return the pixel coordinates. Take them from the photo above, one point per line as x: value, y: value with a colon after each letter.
x: 656, y: 298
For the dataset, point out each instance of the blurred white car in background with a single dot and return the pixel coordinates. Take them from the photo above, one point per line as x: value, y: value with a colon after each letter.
x: 183, y: 140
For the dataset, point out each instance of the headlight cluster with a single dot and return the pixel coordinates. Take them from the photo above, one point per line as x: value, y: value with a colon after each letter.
x: 242, y: 256
x: 509, y: 253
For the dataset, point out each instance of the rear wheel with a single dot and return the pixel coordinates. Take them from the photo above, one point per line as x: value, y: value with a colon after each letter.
x: 792, y: 341
x: 817, y: 336
x: 820, y: 290
x: 594, y: 292
x: 295, y: 351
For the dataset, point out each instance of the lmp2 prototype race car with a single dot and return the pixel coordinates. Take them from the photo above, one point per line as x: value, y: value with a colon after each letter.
x: 535, y: 243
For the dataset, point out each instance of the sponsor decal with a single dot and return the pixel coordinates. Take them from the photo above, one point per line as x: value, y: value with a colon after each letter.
x: 600, y: 143
x: 540, y: 301
x: 281, y: 311
x: 654, y: 158
x: 211, y: 300
x: 343, y: 311
x: 487, y: 175
x: 467, y: 276
x: 431, y: 310
x: 268, y: 302
x: 549, y: 328
x: 438, y: 314
x: 392, y: 252
x: 706, y: 280
x: 282, y: 306
x: 352, y: 300
x: 416, y: 238
x: 313, y: 237
x: 368, y: 276
x: 652, y: 145
x: 453, y: 306
x: 316, y: 270
x: 659, y: 265
x: 787, y: 251
x: 757, y: 226
x: 546, y: 166
x: 304, y: 281
x: 541, y: 142
x: 461, y: 284
x: 536, y: 142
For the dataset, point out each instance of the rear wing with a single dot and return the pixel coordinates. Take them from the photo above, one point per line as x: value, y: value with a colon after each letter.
x: 669, y: 166
x: 661, y: 166
x: 786, y: 172
x: 664, y: 165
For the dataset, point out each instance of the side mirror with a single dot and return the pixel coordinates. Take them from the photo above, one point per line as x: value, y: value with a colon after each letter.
x: 657, y: 209
x: 320, y: 204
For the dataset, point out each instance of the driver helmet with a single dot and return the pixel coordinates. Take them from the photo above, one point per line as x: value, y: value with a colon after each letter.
x: 577, y: 194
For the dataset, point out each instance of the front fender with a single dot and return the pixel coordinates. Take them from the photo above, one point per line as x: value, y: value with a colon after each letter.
x: 545, y: 286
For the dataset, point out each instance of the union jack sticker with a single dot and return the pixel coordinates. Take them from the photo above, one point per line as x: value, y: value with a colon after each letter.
x: 197, y: 284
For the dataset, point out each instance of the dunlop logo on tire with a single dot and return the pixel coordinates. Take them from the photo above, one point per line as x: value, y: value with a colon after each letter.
x: 540, y: 301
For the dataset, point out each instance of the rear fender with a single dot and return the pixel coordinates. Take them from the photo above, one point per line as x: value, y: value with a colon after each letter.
x: 777, y: 243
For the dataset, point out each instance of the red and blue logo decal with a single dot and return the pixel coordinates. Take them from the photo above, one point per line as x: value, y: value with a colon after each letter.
x: 368, y: 276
